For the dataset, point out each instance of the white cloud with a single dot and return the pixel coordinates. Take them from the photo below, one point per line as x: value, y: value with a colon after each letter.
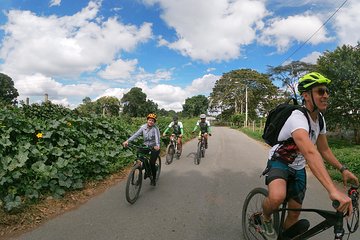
x: 159, y: 75
x: 282, y: 32
x: 347, y: 23
x: 37, y: 51
x: 119, y: 69
x: 55, y: 3
x: 211, y: 30
x: 173, y: 97
x: 65, y: 46
x: 39, y: 84
x: 311, y: 58
x: 113, y: 92
x: 203, y: 85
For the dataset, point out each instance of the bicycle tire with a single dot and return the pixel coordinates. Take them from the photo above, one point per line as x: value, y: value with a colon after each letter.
x: 202, y: 149
x: 178, y: 153
x: 198, y: 154
x: 158, y: 168
x: 134, y: 183
x: 251, y: 209
x: 170, y: 151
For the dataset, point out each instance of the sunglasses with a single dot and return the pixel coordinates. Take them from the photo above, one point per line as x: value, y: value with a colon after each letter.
x: 322, y: 91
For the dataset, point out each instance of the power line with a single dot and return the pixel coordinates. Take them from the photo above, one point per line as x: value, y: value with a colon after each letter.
x: 332, y: 15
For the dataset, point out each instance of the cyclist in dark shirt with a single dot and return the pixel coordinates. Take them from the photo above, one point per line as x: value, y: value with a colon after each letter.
x: 205, y: 129
x: 178, y: 130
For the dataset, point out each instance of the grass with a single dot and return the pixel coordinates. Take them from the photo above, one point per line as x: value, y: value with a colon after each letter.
x: 345, y: 151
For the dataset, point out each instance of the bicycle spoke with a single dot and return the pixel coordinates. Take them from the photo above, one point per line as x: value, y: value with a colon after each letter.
x: 252, y: 210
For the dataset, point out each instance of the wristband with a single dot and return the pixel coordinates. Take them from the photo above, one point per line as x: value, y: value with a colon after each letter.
x: 343, y: 168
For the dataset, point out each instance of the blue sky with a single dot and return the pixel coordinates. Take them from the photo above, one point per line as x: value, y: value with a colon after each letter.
x: 172, y: 49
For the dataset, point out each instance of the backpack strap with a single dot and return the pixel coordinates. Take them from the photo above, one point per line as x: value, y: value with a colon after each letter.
x: 305, y: 111
x: 321, y: 121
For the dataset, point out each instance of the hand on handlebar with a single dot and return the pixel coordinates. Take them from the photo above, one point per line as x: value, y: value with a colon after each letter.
x: 341, y: 202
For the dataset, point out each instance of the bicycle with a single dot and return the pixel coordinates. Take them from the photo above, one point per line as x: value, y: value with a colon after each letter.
x: 200, y: 149
x: 135, y: 177
x: 252, y: 210
x: 172, y: 149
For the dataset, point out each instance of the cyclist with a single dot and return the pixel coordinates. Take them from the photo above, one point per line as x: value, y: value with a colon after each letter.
x: 286, y: 165
x: 178, y: 130
x: 151, y: 137
x: 204, y: 126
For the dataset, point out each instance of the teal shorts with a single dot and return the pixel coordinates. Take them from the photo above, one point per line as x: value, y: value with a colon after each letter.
x: 296, y: 179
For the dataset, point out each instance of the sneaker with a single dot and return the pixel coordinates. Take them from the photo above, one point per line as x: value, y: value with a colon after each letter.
x: 153, y: 182
x: 268, y: 229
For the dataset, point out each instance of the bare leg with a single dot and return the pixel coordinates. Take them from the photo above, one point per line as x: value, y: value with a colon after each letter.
x: 292, y: 216
x: 277, y: 194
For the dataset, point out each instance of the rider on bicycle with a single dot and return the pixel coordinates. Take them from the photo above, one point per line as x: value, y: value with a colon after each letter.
x: 205, y: 129
x: 286, y: 164
x: 178, y: 130
x: 151, y: 137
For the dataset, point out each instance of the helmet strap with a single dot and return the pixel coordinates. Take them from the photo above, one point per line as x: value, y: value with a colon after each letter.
x: 313, y: 102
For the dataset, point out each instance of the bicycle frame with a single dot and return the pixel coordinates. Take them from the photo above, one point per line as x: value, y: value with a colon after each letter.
x: 145, y: 162
x: 173, y: 141
x: 252, y: 223
x: 332, y: 219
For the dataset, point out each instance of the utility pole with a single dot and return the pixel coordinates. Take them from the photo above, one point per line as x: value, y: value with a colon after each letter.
x: 246, y: 106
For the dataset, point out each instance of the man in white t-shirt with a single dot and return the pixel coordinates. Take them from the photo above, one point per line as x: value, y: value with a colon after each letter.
x: 286, y: 174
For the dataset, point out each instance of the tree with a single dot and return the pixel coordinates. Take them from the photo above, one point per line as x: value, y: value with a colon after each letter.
x: 342, y: 66
x: 108, y: 105
x: 195, y: 106
x: 229, y: 93
x: 87, y: 107
x: 135, y: 104
x: 8, y: 93
x: 289, y: 74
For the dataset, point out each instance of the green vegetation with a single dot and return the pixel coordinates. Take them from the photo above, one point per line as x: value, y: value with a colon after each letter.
x: 48, y: 150
x: 348, y: 153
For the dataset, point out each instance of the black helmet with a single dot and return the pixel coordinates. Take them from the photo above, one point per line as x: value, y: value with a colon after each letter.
x: 175, y: 118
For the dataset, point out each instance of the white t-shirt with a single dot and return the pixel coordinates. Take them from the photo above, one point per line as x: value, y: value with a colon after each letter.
x: 297, y: 120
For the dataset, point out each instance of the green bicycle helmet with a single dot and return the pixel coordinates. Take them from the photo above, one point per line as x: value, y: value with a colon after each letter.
x: 310, y: 80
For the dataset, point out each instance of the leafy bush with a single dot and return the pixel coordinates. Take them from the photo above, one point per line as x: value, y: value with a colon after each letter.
x: 53, y: 151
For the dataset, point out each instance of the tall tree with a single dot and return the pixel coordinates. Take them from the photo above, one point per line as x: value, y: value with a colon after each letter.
x: 195, y: 105
x: 8, y: 93
x: 108, y: 105
x: 342, y: 66
x: 289, y: 74
x: 87, y: 107
x: 229, y: 93
x: 135, y: 104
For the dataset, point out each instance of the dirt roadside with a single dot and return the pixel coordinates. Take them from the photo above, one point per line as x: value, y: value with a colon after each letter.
x: 12, y: 225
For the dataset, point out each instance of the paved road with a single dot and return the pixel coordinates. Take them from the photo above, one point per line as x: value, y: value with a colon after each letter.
x: 190, y: 202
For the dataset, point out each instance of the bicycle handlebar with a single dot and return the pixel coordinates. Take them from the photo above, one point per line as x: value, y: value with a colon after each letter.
x: 353, y: 194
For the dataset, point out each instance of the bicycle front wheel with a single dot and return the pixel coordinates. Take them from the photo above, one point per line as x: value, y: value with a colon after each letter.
x: 170, y: 151
x: 251, y: 213
x: 202, y: 149
x: 198, y: 154
x: 133, y: 184
x: 158, y: 168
